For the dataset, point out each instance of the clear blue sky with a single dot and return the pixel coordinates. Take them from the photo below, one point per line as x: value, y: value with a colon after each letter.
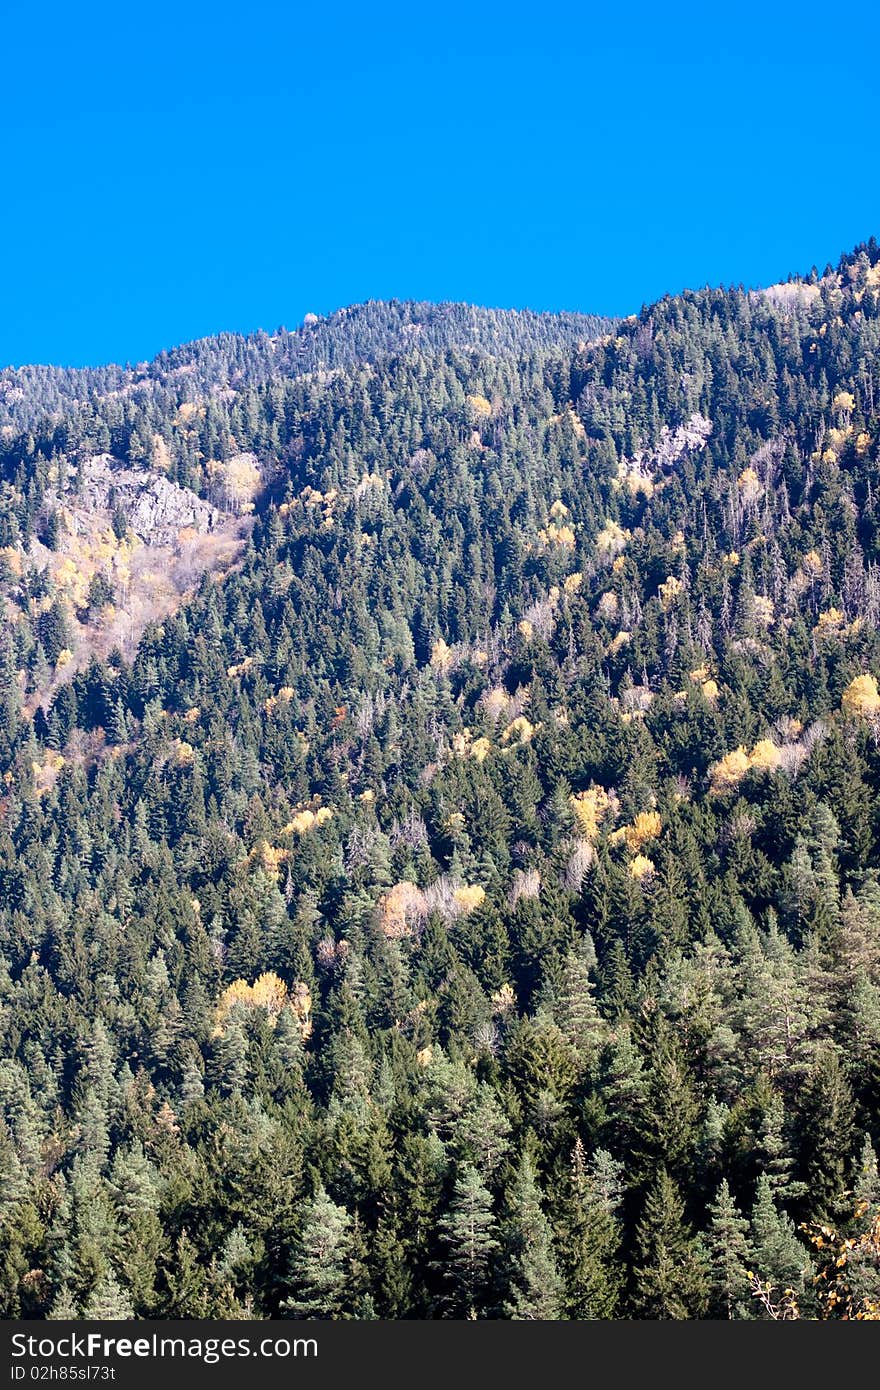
x: 171, y: 170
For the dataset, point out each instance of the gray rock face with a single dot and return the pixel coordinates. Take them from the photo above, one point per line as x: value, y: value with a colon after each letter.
x: 156, y: 509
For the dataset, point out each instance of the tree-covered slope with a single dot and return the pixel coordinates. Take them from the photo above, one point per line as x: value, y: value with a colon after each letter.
x: 469, y: 904
x: 361, y: 333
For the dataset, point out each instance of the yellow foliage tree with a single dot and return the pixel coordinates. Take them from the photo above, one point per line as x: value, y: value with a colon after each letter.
x: 765, y: 756
x: 729, y: 770
x: 469, y: 897
x: 749, y: 484
x: 161, y: 454
x: 241, y: 481
x: 830, y: 623
x: 812, y: 563
x: 480, y: 407
x: 641, y: 868
x: 551, y: 534
x: 398, y: 908
x: 504, y: 999
x: 608, y: 606
x: 496, y: 702
x: 306, y: 820
x: 520, y: 730
x: 301, y: 1004
x: 268, y: 992
x: 268, y: 858
x: 611, y: 540
x: 183, y: 753
x: 480, y: 749
x: 441, y: 655
x: 669, y: 591
x: 646, y: 826
x: 589, y: 808
x: 862, y: 697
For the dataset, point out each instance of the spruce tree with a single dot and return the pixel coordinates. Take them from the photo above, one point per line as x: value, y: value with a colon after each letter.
x: 534, y: 1288
x: 729, y: 1257
x: 107, y: 1301
x: 468, y: 1233
x: 669, y: 1274
x: 589, y: 1235
x: 780, y: 1259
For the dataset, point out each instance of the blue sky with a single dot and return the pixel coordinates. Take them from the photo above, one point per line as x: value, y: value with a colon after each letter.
x: 172, y: 170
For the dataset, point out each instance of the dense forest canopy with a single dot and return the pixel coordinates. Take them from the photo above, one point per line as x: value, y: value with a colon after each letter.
x: 467, y: 902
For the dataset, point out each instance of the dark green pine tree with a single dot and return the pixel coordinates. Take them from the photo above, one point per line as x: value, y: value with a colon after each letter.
x: 589, y: 1237
x: 669, y: 1120
x: 187, y: 1285
x: 63, y: 1307
x: 107, y: 1302
x: 825, y: 1133
x: 780, y: 1259
x: 669, y: 1274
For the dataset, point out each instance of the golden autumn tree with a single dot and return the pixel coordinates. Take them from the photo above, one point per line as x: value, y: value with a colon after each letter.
x: 862, y: 697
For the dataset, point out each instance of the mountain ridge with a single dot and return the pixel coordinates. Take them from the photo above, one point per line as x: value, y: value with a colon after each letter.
x: 370, y: 329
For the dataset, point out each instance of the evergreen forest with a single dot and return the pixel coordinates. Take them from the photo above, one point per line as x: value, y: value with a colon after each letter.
x: 461, y: 899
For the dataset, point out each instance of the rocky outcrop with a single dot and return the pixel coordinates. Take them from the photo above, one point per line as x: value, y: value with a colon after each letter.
x: 155, y: 508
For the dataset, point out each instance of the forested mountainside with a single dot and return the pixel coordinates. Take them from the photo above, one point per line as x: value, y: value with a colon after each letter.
x: 467, y: 902
x: 361, y: 333
x: 120, y: 487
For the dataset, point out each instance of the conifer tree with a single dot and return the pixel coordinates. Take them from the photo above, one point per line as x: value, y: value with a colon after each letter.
x: 107, y: 1302
x: 320, y: 1260
x: 669, y: 1275
x: 527, y: 1254
x: 780, y: 1258
x: 589, y: 1235
x: 468, y: 1233
x: 729, y: 1257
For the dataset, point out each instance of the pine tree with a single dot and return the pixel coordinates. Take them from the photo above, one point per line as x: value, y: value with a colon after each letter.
x: 669, y: 1276
x: 779, y: 1257
x: 528, y: 1259
x: 866, y: 1189
x: 187, y: 1289
x: 729, y: 1256
x: 668, y: 1121
x: 589, y: 1235
x: 577, y: 1013
x: 826, y: 1134
x: 107, y: 1302
x: 319, y: 1265
x: 468, y: 1233
x: 63, y: 1308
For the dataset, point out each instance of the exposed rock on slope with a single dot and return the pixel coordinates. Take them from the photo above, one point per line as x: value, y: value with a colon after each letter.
x: 119, y: 547
x: 155, y: 509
